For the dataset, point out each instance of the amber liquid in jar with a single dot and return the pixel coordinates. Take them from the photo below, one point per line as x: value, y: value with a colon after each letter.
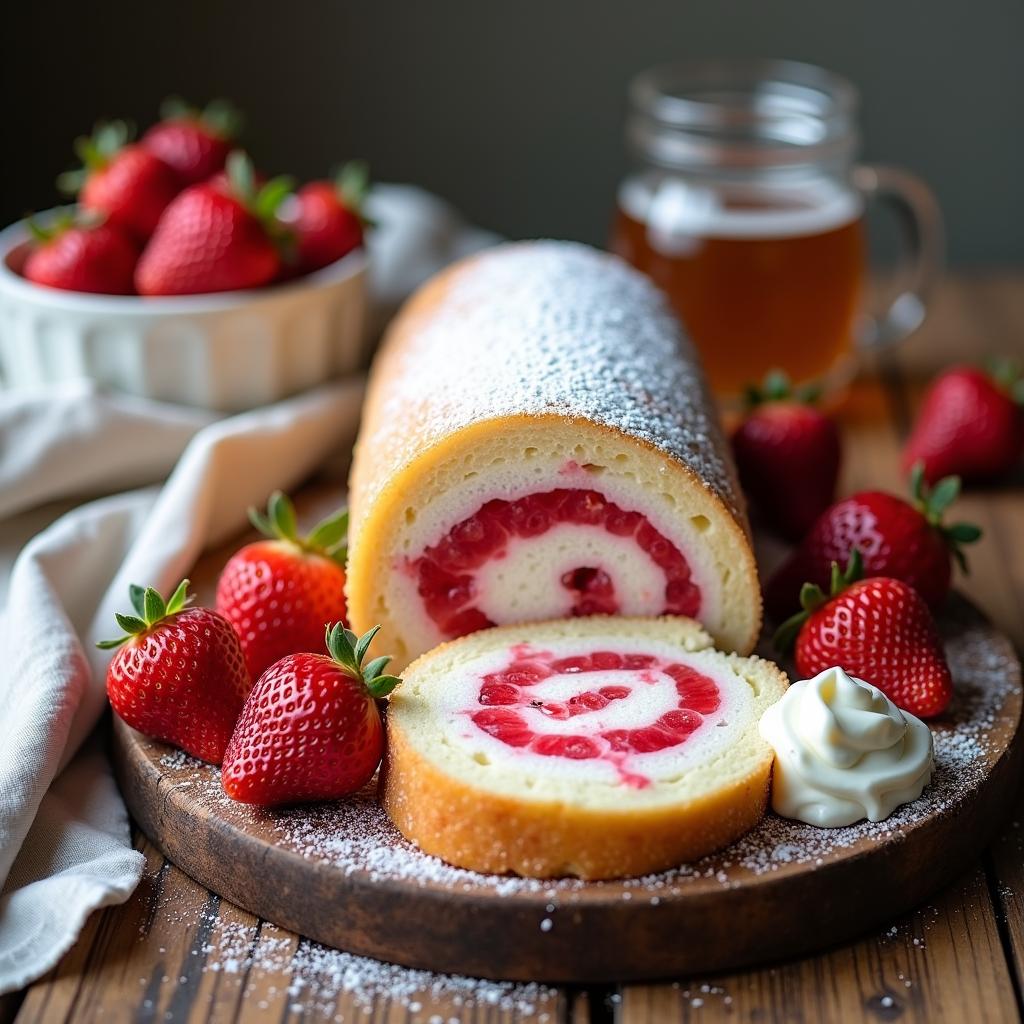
x: 761, y: 283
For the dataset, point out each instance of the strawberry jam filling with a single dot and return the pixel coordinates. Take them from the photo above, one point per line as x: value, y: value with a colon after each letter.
x: 446, y: 572
x: 513, y: 711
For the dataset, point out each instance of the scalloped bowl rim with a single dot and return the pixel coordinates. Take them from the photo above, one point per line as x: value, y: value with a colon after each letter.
x: 14, y: 285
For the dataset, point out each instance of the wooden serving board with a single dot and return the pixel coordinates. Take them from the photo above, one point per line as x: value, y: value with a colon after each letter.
x: 342, y: 875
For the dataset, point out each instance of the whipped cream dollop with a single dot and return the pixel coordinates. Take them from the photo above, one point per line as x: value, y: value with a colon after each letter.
x: 844, y: 751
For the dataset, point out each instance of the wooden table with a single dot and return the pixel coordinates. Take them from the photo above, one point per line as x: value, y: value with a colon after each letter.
x: 176, y: 952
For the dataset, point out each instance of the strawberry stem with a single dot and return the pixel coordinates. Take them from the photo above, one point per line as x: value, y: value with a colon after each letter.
x: 95, y: 151
x: 777, y: 387
x: 150, y: 608
x: 812, y: 597
x: 329, y: 538
x: 219, y: 117
x: 352, y: 183
x: 349, y: 650
x: 933, y: 502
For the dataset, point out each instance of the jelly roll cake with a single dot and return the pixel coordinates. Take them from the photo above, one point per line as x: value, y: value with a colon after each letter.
x: 597, y: 747
x: 538, y: 442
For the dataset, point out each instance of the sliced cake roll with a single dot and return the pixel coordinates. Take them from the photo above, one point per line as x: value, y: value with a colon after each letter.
x: 538, y: 442
x: 595, y: 747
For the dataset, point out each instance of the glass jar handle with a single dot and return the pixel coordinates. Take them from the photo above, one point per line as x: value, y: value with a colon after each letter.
x: 920, y: 222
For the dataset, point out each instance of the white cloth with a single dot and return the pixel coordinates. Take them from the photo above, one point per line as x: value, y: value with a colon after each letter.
x: 64, y: 840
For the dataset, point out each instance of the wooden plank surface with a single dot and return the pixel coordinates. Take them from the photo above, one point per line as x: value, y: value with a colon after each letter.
x: 176, y: 953
x: 948, y: 960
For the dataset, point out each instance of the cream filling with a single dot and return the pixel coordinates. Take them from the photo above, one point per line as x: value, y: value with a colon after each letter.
x: 652, y: 694
x: 527, y: 582
x: 542, y: 590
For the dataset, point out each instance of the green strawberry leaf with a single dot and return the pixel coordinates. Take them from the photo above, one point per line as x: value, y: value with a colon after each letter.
x: 151, y: 609
x: 242, y: 175
x: 963, y: 533
x: 271, y: 195
x: 382, y: 686
x: 934, y: 502
x: 376, y: 667
x: 130, y: 623
x: 349, y: 650
x: 942, y: 495
x: 154, y: 605
x: 179, y: 599
x: 137, y: 595
x: 329, y: 538
x: 282, y: 515
x: 363, y: 643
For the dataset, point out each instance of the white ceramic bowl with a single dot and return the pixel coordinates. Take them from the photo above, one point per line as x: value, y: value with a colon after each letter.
x: 226, y: 351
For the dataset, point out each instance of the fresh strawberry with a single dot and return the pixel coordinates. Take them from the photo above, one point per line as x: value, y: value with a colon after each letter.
x: 971, y: 423
x: 280, y: 593
x: 215, y: 239
x: 326, y: 219
x: 196, y: 143
x: 125, y: 183
x: 877, y: 629
x: 897, y: 538
x: 311, y: 729
x: 787, y: 455
x: 81, y: 256
x: 179, y: 675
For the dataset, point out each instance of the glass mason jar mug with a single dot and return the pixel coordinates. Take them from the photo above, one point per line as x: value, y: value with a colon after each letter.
x: 746, y: 208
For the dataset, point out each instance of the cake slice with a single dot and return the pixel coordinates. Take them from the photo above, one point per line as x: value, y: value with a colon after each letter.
x: 596, y: 747
x: 538, y: 443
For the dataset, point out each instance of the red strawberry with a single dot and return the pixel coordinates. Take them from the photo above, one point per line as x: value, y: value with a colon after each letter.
x: 311, y: 729
x: 894, y: 538
x: 179, y: 675
x: 326, y: 218
x: 215, y: 239
x: 79, y: 256
x: 127, y: 184
x: 280, y: 593
x: 877, y: 629
x: 196, y: 143
x: 787, y: 455
x: 971, y: 423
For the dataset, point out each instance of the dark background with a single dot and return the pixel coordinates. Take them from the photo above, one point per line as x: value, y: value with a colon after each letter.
x: 514, y: 111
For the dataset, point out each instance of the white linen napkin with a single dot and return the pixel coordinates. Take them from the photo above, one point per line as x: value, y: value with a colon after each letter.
x: 64, y: 841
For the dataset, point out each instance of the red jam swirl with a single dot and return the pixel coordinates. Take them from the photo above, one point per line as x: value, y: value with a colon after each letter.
x: 446, y: 572
x: 502, y: 694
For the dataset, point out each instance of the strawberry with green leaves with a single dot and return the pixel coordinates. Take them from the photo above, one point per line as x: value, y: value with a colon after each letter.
x: 279, y: 593
x: 311, y: 728
x: 971, y: 424
x: 78, y: 254
x: 218, y: 236
x: 788, y: 455
x: 196, y: 143
x: 879, y: 630
x: 178, y: 673
x: 326, y: 217
x: 123, y: 182
x: 908, y: 540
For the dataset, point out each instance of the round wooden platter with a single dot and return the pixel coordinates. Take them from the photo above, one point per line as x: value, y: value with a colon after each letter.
x: 340, y: 873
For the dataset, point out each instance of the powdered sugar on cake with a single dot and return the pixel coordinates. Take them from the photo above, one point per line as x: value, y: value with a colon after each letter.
x: 554, y: 328
x: 357, y: 837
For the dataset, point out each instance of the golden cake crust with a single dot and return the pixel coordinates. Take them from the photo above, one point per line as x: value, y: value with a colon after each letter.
x: 443, y: 391
x: 488, y: 828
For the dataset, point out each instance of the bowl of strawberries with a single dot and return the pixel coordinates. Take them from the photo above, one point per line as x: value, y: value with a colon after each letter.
x: 181, y: 274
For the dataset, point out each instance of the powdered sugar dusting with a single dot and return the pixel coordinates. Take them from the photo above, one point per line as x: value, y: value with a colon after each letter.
x: 281, y: 971
x: 550, y: 328
x: 357, y: 838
